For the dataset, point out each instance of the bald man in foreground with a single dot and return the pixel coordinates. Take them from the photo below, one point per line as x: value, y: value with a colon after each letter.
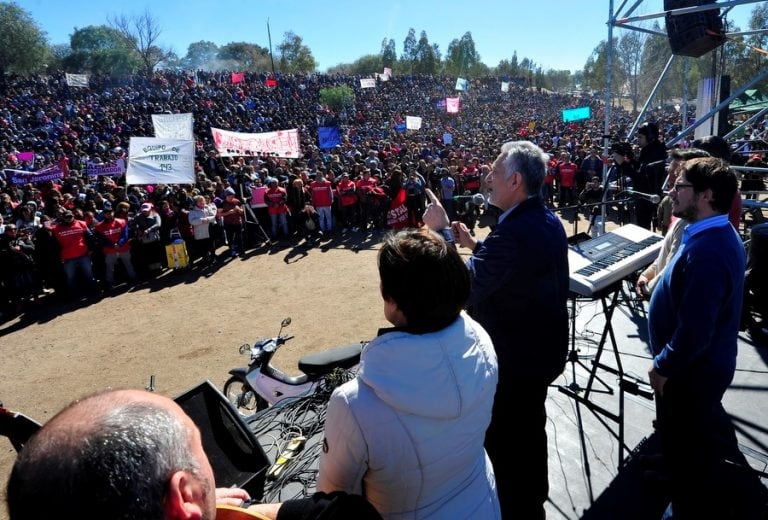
x: 130, y: 454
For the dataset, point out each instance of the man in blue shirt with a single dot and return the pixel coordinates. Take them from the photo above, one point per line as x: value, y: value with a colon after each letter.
x: 693, y: 323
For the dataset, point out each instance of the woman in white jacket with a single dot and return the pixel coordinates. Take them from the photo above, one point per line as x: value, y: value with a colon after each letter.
x: 408, y: 432
x: 201, y: 217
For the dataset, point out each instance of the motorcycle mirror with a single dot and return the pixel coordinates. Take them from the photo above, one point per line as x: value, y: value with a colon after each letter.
x: 285, y: 322
x: 245, y: 347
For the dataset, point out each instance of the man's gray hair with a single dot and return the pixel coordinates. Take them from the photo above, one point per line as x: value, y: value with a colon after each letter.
x: 528, y: 159
x: 116, y: 467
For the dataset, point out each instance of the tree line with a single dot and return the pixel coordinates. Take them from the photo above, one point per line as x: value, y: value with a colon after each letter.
x: 130, y: 45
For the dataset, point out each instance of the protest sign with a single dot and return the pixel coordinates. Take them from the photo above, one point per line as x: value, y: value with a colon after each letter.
x: 447, y: 138
x: 77, y: 80
x: 237, y: 77
x: 49, y: 173
x: 367, y: 83
x: 152, y: 160
x: 283, y: 143
x: 111, y: 169
x: 329, y: 136
x: 462, y: 84
x: 452, y: 105
x: 173, y: 126
x: 412, y: 122
x: 505, y: 86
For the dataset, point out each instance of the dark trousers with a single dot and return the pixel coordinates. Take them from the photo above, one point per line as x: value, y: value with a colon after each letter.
x: 710, y: 478
x: 516, y: 442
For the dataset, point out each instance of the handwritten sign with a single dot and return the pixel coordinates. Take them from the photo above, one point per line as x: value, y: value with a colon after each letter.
x: 152, y: 160
x: 283, y: 143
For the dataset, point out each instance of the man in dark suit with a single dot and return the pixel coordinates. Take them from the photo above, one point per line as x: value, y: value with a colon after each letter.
x: 519, y: 295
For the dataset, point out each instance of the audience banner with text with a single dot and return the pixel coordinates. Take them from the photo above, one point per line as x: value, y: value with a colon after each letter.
x: 367, y: 83
x: 152, y: 160
x: 452, y: 105
x: 111, y: 169
x: 461, y: 84
x: 328, y: 136
x: 505, y: 86
x: 18, y: 177
x: 173, y: 126
x: 283, y: 143
x: 77, y: 80
x: 412, y: 122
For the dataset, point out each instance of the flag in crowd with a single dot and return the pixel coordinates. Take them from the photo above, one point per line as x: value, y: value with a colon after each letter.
x: 452, y: 105
x: 237, y: 77
x: 173, y: 126
x: 328, y: 136
x: 77, y: 80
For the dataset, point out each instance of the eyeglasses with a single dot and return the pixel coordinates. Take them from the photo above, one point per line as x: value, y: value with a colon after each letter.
x: 680, y: 185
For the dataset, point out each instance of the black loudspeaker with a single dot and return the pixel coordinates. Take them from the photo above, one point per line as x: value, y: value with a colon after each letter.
x: 235, y: 454
x: 693, y: 34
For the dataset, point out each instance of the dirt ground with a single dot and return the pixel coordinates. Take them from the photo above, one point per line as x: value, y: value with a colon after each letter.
x: 186, y: 327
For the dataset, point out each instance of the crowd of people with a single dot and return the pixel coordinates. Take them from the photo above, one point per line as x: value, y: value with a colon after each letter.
x: 491, y: 334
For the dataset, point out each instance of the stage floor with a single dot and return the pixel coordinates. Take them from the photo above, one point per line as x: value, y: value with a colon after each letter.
x: 586, y: 483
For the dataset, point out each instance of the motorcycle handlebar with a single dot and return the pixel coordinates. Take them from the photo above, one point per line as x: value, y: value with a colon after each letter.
x: 282, y: 339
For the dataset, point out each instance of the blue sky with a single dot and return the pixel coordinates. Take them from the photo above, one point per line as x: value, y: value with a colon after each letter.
x: 557, y: 34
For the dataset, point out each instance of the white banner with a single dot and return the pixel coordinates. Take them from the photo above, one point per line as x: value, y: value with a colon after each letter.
x: 160, y: 161
x: 461, y: 84
x: 368, y: 83
x: 505, y: 86
x: 412, y: 122
x: 283, y: 143
x: 173, y: 126
x: 452, y: 105
x: 77, y: 80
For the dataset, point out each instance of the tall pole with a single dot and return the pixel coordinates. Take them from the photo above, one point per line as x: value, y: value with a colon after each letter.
x: 606, y: 127
x: 684, y: 111
x: 271, y: 58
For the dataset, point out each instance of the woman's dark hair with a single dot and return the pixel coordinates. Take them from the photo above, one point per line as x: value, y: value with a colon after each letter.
x: 425, y: 277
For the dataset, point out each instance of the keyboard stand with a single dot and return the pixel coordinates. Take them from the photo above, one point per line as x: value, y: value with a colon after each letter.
x: 609, y: 299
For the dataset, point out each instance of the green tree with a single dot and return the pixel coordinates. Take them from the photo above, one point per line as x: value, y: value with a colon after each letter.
x: 409, y: 49
x: 338, y: 98
x: 461, y: 57
x: 426, y: 62
x: 742, y: 61
x: 596, y: 68
x: 295, y: 57
x: 101, y: 49
x: 23, y: 45
x: 630, y: 53
x: 245, y: 56
x: 200, y: 55
x: 368, y: 64
x: 557, y: 80
x: 388, y: 53
x: 143, y: 32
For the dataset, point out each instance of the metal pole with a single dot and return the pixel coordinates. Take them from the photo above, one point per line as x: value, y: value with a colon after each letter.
x: 607, y: 125
x: 686, y: 69
x: 720, y: 106
x: 745, y: 123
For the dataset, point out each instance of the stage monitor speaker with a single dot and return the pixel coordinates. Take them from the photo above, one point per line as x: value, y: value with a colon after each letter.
x: 693, y: 34
x: 235, y: 454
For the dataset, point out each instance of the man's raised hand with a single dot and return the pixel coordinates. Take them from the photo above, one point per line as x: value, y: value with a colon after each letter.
x: 435, y: 217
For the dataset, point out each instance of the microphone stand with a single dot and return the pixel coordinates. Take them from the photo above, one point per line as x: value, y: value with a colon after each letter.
x: 602, y: 205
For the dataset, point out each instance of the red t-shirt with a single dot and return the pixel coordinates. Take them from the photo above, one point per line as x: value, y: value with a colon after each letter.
x: 322, y: 193
x: 71, y: 239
